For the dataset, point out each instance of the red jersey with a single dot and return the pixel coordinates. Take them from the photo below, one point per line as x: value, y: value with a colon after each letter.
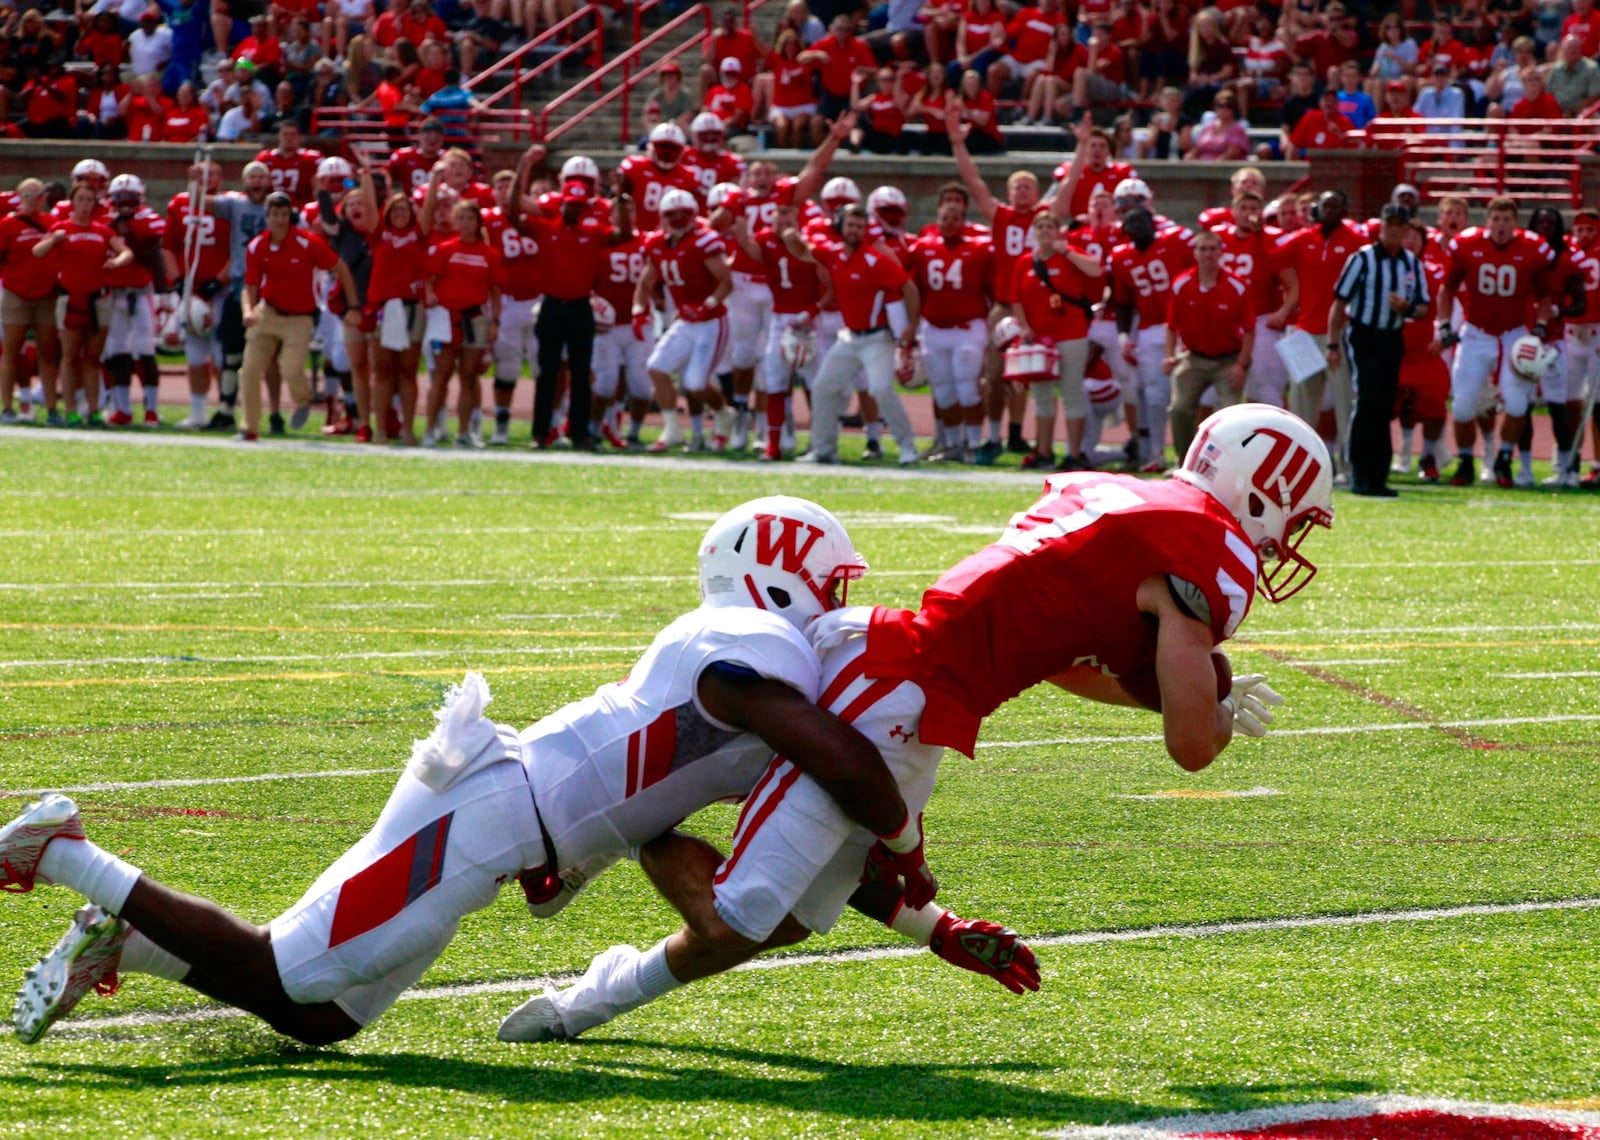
x: 1553, y: 284
x: 519, y: 257
x: 843, y: 59
x: 464, y: 273
x: 885, y: 115
x: 1091, y: 181
x: 1031, y: 31
x: 1051, y: 315
x: 1316, y: 131
x: 399, y: 265
x: 791, y: 82
x: 1500, y: 280
x: 1144, y: 279
x: 1588, y: 263
x: 570, y: 257
x: 1418, y: 334
x: 1059, y: 590
x: 210, y: 244
x: 794, y: 283
x: 29, y: 277
x: 1013, y: 241
x: 294, y: 174
x: 145, y: 230
x: 710, y: 169
x: 283, y: 274
x: 646, y: 182
x: 683, y: 264
x: 409, y: 168
x: 1216, y: 216
x: 1318, y: 259
x: 1255, y: 260
x: 953, y: 280
x: 864, y: 284
x: 598, y: 210
x: 80, y: 260
x: 1211, y: 322
x: 620, y: 270
x: 185, y: 124
x: 980, y: 30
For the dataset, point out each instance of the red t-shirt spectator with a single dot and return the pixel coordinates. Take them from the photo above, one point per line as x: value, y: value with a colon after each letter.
x: 1211, y: 322
x: 1069, y: 63
x: 428, y: 80
x: 386, y: 30
x: 1315, y: 131
x: 1544, y: 107
x: 1324, y: 50
x: 983, y: 101
x: 1452, y: 51
x: 102, y: 47
x: 1586, y: 28
x: 415, y: 30
x: 737, y: 43
x: 1031, y: 31
x: 266, y: 52
x: 842, y: 61
x: 146, y: 118
x: 463, y: 273
x: 791, y: 81
x: 51, y: 100
x: 282, y: 274
x: 726, y: 102
x: 185, y: 124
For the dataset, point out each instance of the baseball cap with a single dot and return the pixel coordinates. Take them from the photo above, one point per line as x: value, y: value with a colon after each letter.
x: 1586, y: 215
x: 671, y: 69
x: 432, y: 125
x: 247, y: 66
x: 1404, y: 188
x: 1440, y: 67
x: 730, y: 66
x: 1393, y: 213
x: 575, y: 190
x: 1395, y: 85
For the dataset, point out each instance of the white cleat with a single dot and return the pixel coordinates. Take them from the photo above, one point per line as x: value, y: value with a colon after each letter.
x: 741, y: 431
x: 23, y: 840
x: 501, y: 436
x: 560, y: 1015
x: 1523, y: 478
x: 85, y: 959
x: 573, y: 880
x: 194, y: 423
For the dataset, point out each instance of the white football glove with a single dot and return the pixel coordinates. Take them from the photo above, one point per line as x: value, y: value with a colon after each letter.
x: 1248, y: 702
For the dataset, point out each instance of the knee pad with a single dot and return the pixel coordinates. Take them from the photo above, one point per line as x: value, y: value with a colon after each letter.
x: 967, y: 392
x: 504, y: 385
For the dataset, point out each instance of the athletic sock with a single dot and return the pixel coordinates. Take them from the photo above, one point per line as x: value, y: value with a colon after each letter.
x: 142, y: 956
x: 92, y: 871
x: 651, y: 975
x: 502, y: 417
x: 994, y: 431
x: 669, y: 422
x: 974, y: 435
x: 1428, y: 448
x: 1563, y: 461
x: 197, y: 407
x: 874, y: 432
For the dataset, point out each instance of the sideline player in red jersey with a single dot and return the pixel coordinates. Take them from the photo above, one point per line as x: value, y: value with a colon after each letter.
x: 1424, y: 390
x: 1091, y: 166
x: 83, y: 250
x: 514, y: 343
x: 1111, y: 587
x: 131, y: 338
x: 616, y: 349
x: 28, y: 300
x: 1250, y: 253
x: 292, y: 166
x: 953, y: 275
x: 1142, y: 272
x: 196, y: 254
x: 697, y: 719
x: 649, y: 176
x: 1564, y: 286
x: 1499, y: 268
x: 409, y: 166
x: 1583, y: 342
x: 708, y: 153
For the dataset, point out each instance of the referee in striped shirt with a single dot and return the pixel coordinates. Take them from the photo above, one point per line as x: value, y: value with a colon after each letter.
x: 1382, y: 287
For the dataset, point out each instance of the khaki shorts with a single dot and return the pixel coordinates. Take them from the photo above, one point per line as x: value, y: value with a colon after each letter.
x: 15, y: 310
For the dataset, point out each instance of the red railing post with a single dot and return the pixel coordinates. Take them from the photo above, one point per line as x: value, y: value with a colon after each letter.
x: 598, y: 57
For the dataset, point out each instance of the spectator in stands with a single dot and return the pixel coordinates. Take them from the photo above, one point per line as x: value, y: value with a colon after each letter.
x: 1103, y: 77
x: 300, y: 56
x: 1397, y: 101
x: 1584, y: 23
x: 881, y: 115
x: 798, y: 17
x: 1505, y: 85
x: 103, y: 104
x: 974, y: 105
x: 1224, y: 138
x: 1441, y: 99
x: 1167, y: 131
x: 243, y: 119
x: 1395, y: 57
x: 1164, y: 48
x: 395, y: 104
x: 124, y: 12
x: 452, y: 107
x: 245, y: 76
x: 262, y: 48
x: 150, y: 45
x: 732, y: 100
x: 33, y: 42
x: 669, y: 103
x: 1536, y: 102
x: 1029, y: 34
x: 187, y: 121
x: 434, y: 60
x: 1574, y: 80
x: 101, y: 43
x: 930, y: 104
x: 1338, y: 40
x: 1323, y: 128
x: 1266, y: 65
x: 285, y: 109
x: 1302, y: 97
x: 1211, y: 62
x: 900, y: 37
x: 792, y: 98
x: 1124, y: 139
x: 347, y: 18
x: 980, y: 41
x: 1047, y: 98
x: 187, y: 19
x: 840, y: 56
x: 421, y: 23
x: 729, y: 41
x: 50, y: 101
x: 216, y: 98
x: 1354, y: 103
x: 144, y: 109
x: 941, y: 29
x: 1442, y: 47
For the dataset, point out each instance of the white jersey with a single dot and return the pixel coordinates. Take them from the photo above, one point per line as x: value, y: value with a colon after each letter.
x: 621, y: 767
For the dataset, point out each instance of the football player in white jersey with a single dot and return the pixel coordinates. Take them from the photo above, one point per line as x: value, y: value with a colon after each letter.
x: 697, y: 719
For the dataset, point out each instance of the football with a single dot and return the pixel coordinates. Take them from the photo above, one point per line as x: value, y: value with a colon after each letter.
x: 1142, y: 686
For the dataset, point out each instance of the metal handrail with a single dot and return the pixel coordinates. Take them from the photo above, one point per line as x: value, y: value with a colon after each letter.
x: 1534, y: 157
x: 594, y: 38
x: 624, y: 63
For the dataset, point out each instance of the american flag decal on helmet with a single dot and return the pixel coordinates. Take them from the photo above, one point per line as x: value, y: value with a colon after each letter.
x: 1288, y: 472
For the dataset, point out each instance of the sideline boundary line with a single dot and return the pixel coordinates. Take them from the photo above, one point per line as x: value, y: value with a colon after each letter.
x: 880, y: 953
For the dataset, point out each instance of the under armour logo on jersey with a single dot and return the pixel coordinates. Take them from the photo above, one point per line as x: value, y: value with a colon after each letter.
x: 898, y: 732
x: 787, y: 539
x: 1288, y: 471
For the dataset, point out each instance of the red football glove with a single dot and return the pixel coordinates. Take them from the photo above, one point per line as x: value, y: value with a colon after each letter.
x: 885, y: 864
x: 641, y: 321
x: 986, y: 948
x: 539, y: 885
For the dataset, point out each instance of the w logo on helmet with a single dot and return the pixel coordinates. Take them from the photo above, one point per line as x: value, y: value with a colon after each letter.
x: 1288, y: 472
x: 785, y: 540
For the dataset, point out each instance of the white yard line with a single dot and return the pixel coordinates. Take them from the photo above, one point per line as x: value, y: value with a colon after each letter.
x: 292, y: 658
x: 880, y: 953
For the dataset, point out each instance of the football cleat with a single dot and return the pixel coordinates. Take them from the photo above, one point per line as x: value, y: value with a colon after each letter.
x: 221, y: 421
x: 275, y: 424
x: 560, y: 1015
x: 119, y: 418
x: 9, y: 416
x: 609, y: 434
x: 1502, y: 471
x: 873, y: 451
x: 364, y: 433
x: 152, y: 418
x: 987, y: 453
x: 1524, y: 478
x: 1465, y: 475
x: 1591, y: 481
x: 534, y: 1020
x: 341, y: 426
x: 1428, y: 470
x: 23, y: 840
x: 1035, y: 460
x: 85, y: 959
x: 299, y: 417
x: 500, y: 436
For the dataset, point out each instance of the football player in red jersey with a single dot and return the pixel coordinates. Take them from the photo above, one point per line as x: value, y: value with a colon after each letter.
x: 647, y: 177
x: 1424, y: 390
x: 1091, y: 166
x: 82, y: 250
x: 515, y: 343
x: 708, y: 153
x: 1113, y: 588
x: 131, y: 337
x: 689, y: 258
x: 1583, y: 340
x: 796, y: 289
x: 196, y: 257
x: 616, y: 349
x: 1142, y: 272
x: 409, y: 166
x: 1501, y: 269
x: 1564, y: 285
x: 27, y: 302
x: 1245, y: 180
x: 1250, y: 253
x: 294, y: 169
x: 749, y: 318
x: 952, y: 274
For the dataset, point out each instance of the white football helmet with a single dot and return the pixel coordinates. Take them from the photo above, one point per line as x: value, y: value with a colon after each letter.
x: 797, y: 346
x: 888, y: 198
x: 1271, y: 471
x: 720, y: 193
x: 580, y: 167
x: 199, y: 317
x: 605, y: 313
x: 128, y: 187
x: 335, y: 167
x: 1531, y: 358
x: 675, y: 201
x: 779, y: 553
x: 839, y: 192
x: 666, y: 143
x: 91, y: 168
x: 1132, y: 192
x: 708, y: 131
x: 1006, y: 330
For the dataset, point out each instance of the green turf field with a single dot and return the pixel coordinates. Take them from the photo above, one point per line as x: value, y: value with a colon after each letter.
x: 197, y: 613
